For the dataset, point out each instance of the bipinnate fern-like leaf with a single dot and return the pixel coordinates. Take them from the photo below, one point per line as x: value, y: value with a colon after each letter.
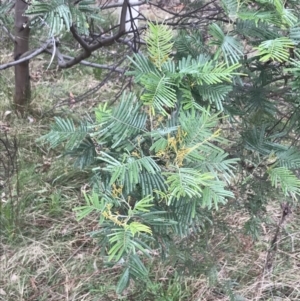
x: 135, y: 269
x: 263, y: 16
x: 286, y: 15
x: 93, y: 203
x: 121, y: 243
x: 122, y: 122
x: 275, y: 50
x: 199, y: 127
x: 289, y: 158
x: 231, y: 7
x: 189, y: 43
x: 84, y: 154
x: 151, y: 182
x: 55, y: 15
x: 295, y: 34
x: 130, y: 171
x: 59, y: 15
x: 211, y: 74
x: 273, y: 12
x: 142, y: 66
x: 159, y: 43
x: 159, y: 93
x: 251, y: 29
x: 286, y: 180
x: 215, y: 94
x: 189, y: 65
x: 226, y: 44
x: 206, y: 71
x: 218, y: 163
x: 4, y: 11
x: 215, y: 194
x: 64, y: 131
x: 123, y: 281
x: 186, y: 182
x: 255, y: 140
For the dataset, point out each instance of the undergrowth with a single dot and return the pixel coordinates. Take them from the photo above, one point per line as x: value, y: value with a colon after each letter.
x: 46, y: 254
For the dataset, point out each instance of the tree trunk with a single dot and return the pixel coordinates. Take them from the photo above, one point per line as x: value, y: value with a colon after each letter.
x: 22, y: 79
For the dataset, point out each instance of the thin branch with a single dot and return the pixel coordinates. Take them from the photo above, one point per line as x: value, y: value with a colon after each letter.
x: 89, y: 92
x: 27, y: 56
x: 58, y: 54
x: 78, y: 38
x: 88, y: 49
x: 116, y: 5
x: 62, y: 57
x: 67, y: 61
x: 95, y: 65
x: 130, y: 44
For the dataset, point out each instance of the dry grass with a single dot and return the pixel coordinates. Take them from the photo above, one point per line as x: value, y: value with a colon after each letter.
x: 241, y: 262
x: 48, y: 255
x: 45, y: 253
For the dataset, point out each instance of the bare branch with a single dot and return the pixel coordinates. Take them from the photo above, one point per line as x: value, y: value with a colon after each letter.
x: 95, y: 43
x: 62, y: 58
x: 59, y: 55
x: 95, y: 65
x: 130, y: 44
x: 88, y: 49
x: 78, y: 38
x: 27, y: 56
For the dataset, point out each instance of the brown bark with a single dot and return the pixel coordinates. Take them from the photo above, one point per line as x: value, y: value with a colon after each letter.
x: 22, y: 79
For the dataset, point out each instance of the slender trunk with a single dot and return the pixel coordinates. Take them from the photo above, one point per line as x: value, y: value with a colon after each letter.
x: 22, y: 79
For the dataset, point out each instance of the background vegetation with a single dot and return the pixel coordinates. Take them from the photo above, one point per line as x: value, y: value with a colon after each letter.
x: 163, y: 168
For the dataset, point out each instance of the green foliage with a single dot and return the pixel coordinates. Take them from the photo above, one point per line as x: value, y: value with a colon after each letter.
x: 159, y: 92
x: 230, y: 47
x: 161, y: 156
x: 188, y: 43
x: 157, y: 168
x: 64, y: 130
x: 284, y: 178
x: 125, y: 120
x: 8, y: 222
x: 159, y: 45
x: 277, y: 50
x: 60, y: 15
x: 214, y: 116
x: 4, y: 12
